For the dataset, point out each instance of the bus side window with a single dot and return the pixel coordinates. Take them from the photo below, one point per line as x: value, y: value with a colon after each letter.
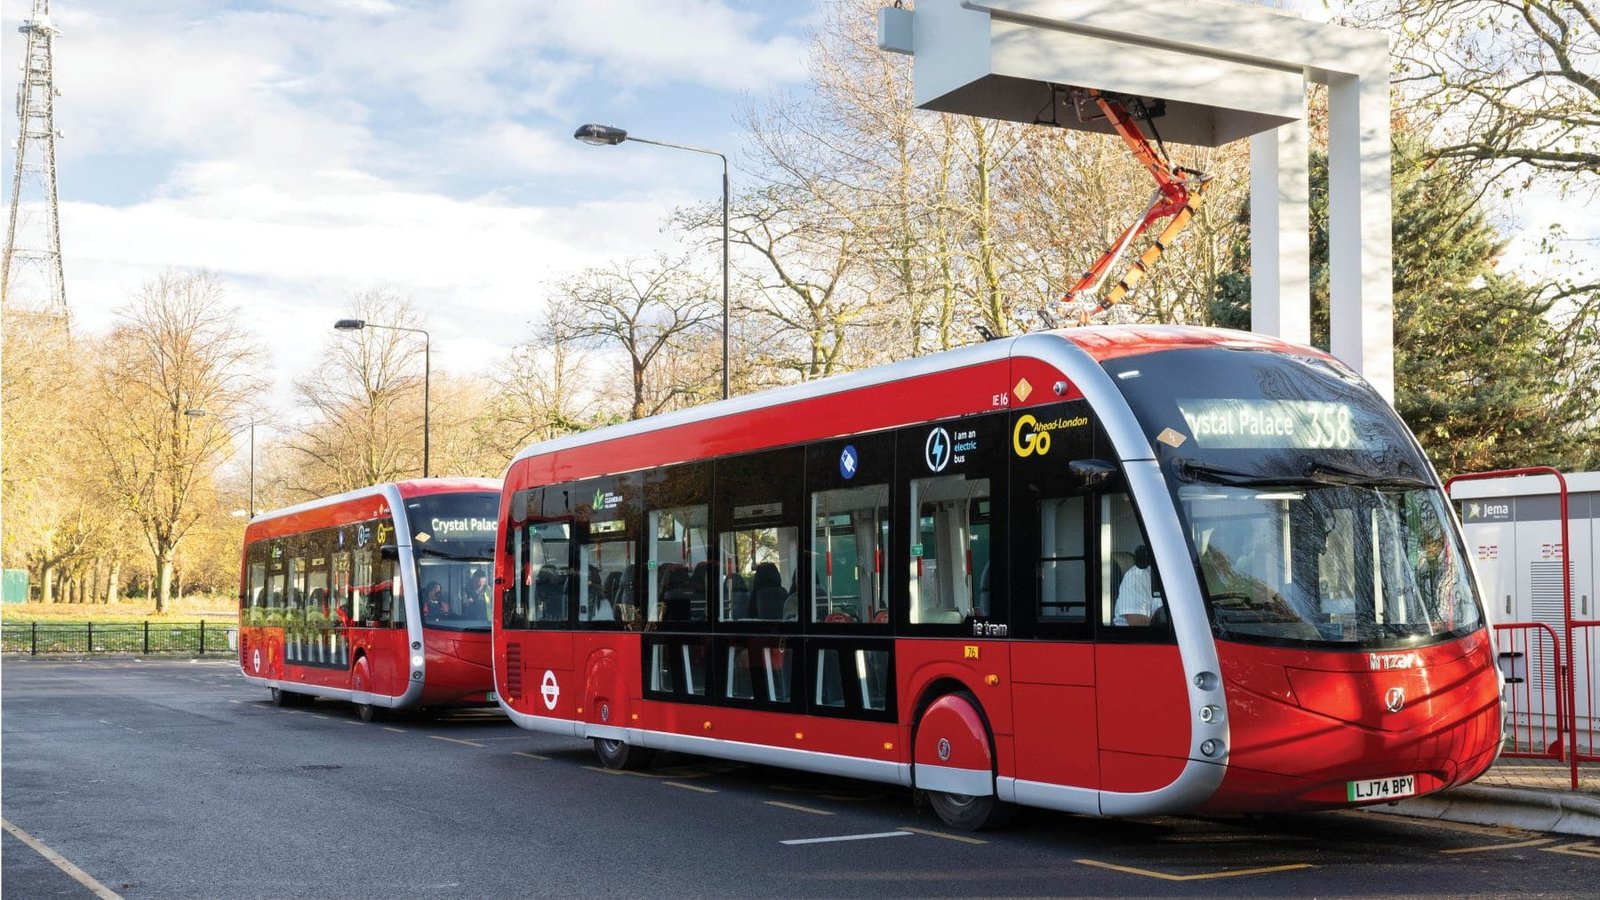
x: 850, y: 539
x: 950, y: 549
x: 1130, y: 588
x: 1063, y: 561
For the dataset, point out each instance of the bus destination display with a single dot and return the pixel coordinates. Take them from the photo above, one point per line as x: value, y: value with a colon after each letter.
x: 1235, y: 424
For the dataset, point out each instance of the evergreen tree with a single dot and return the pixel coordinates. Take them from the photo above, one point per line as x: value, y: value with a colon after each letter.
x: 1483, y: 374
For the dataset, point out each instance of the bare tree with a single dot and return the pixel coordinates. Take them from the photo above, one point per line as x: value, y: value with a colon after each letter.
x: 1512, y: 84
x: 365, y: 401
x: 176, y: 348
x: 544, y: 387
x: 640, y: 308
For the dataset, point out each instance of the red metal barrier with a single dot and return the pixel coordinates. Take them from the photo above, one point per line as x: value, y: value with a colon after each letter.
x: 1571, y: 672
x: 1585, y: 682
x: 1536, y: 697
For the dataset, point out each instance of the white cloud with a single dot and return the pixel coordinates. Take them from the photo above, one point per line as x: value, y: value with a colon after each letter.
x: 307, y: 150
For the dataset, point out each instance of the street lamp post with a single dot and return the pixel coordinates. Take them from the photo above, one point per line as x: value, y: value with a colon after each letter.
x: 427, y: 370
x: 607, y: 136
x: 197, y: 413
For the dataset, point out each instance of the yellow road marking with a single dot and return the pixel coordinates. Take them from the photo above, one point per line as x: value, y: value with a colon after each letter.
x: 804, y: 809
x: 531, y: 755
x: 60, y: 862
x: 1201, y: 876
x: 440, y: 737
x: 940, y: 834
x: 395, y: 730
x: 1586, y: 849
x: 1533, y: 843
x: 1464, y: 827
x: 690, y: 787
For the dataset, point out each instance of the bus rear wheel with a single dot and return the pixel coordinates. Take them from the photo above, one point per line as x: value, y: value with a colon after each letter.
x: 281, y: 697
x: 968, y: 813
x: 370, y: 713
x: 622, y: 755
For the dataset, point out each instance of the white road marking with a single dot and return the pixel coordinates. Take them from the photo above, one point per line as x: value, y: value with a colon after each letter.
x: 848, y: 837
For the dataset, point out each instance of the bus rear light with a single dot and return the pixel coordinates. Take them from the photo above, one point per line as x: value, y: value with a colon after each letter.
x: 1211, y: 747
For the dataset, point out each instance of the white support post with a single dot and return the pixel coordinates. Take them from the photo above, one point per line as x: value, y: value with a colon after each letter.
x: 1280, y: 240
x: 1360, y: 255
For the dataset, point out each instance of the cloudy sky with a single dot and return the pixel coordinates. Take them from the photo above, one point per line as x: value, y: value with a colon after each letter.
x: 310, y: 149
x: 307, y: 150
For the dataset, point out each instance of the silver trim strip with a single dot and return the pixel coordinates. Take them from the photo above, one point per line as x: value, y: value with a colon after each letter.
x: 784, y: 757
x: 1085, y: 801
x: 951, y: 780
x: 333, y: 693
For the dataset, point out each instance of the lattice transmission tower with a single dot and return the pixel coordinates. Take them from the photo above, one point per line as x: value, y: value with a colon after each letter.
x: 32, y: 274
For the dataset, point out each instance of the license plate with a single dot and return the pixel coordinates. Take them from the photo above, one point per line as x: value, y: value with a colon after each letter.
x: 1381, y: 788
x: 491, y: 697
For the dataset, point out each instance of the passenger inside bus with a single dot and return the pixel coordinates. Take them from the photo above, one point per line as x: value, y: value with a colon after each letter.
x: 1136, y: 601
x: 475, y: 599
x: 434, y: 605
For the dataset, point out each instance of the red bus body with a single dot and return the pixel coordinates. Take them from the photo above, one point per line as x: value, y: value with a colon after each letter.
x: 1034, y: 696
x: 329, y: 602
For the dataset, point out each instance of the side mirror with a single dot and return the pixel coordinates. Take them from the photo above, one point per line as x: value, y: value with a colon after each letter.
x: 389, y: 552
x: 1093, y: 472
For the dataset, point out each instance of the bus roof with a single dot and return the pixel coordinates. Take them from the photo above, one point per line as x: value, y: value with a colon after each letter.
x: 964, y: 381
x: 418, y: 487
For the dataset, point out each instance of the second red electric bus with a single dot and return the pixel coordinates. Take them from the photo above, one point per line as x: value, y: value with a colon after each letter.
x: 377, y: 596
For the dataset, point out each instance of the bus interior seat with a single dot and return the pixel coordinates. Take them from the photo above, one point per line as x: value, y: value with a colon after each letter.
x: 767, y: 592
x: 677, y: 592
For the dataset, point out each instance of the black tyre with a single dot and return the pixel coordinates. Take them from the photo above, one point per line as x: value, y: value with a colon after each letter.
x: 282, y: 698
x: 622, y: 755
x: 370, y: 713
x: 965, y: 813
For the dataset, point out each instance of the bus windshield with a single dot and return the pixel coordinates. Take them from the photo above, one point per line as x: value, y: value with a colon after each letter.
x: 452, y: 538
x: 1312, y: 517
x: 1353, y: 565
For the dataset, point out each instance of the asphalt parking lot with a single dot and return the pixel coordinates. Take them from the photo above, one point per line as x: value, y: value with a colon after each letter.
x: 175, y: 779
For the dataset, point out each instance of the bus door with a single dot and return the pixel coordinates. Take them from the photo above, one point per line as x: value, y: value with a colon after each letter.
x: 541, y: 606
x: 1052, y: 548
x: 1141, y: 696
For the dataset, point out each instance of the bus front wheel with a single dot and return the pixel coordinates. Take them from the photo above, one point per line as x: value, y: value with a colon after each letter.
x: 371, y: 713
x: 622, y: 755
x: 968, y: 813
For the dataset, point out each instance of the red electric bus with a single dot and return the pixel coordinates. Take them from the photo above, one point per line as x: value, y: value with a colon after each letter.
x: 378, y: 596
x: 1118, y: 571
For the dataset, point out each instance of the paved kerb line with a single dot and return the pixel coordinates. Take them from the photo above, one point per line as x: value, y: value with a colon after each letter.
x: 61, y: 862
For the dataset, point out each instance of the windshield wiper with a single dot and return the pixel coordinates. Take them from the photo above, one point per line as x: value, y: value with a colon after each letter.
x: 422, y: 550
x: 1326, y: 473
x: 1192, y: 470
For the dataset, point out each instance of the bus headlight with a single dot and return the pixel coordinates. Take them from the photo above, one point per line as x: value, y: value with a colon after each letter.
x: 416, y: 661
x: 1210, y: 714
x: 1211, y: 747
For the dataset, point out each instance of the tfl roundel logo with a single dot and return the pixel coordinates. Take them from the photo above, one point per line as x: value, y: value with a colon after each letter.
x: 937, y: 450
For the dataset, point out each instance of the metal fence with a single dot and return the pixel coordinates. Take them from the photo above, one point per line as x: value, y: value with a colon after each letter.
x: 194, y: 638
